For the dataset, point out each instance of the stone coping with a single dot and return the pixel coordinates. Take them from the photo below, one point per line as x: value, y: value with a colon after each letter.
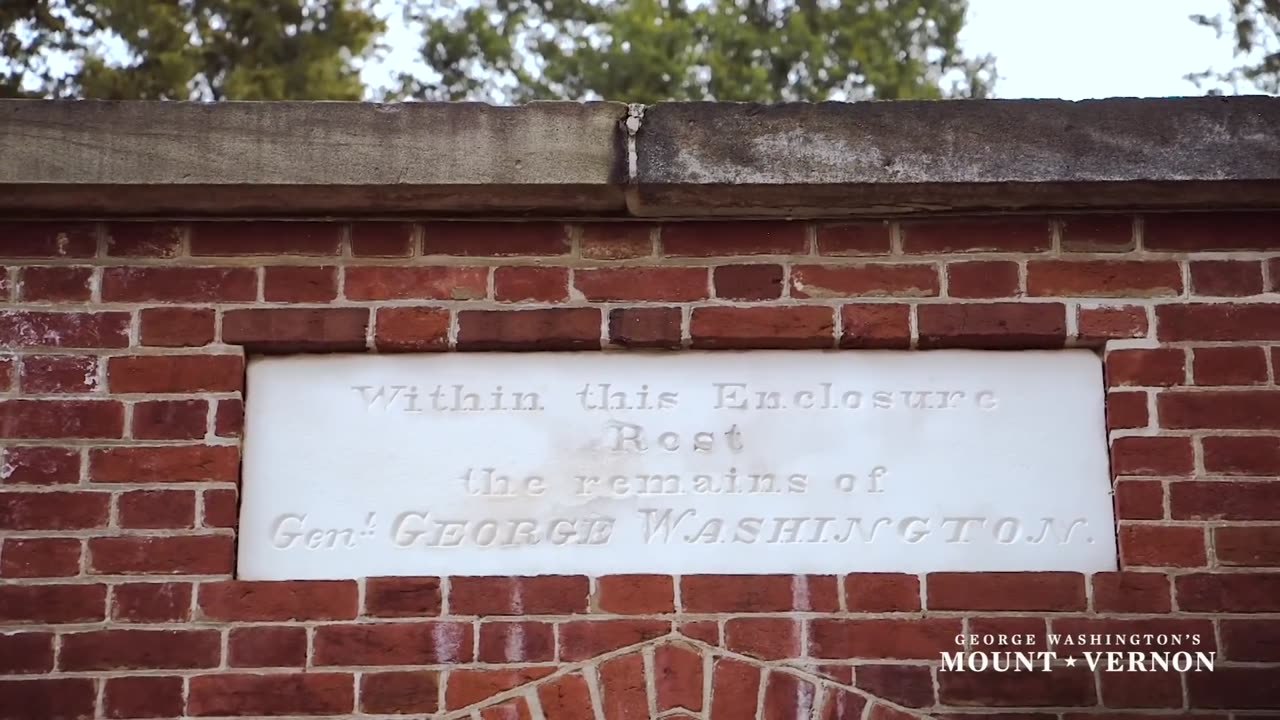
x: 611, y: 160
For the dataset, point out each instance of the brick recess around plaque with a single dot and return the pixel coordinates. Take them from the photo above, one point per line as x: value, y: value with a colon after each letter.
x: 122, y: 354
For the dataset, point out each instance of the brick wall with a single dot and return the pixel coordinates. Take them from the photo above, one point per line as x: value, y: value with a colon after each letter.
x: 120, y: 415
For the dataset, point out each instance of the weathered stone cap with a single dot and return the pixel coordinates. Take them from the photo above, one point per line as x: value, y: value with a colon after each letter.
x: 611, y: 160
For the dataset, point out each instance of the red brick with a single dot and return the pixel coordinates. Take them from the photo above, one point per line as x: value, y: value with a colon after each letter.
x: 297, y: 329
x: 1008, y: 234
x: 1103, y: 278
x: 1229, y: 366
x: 39, y: 557
x: 402, y: 597
x: 481, y: 239
x: 48, y: 239
x: 875, y: 280
x: 47, y: 698
x: 983, y: 279
x: 991, y: 629
x: 1220, y: 410
x: 623, y: 689
x: 997, y: 326
x: 61, y: 419
x: 855, y: 238
x: 677, y: 677
x: 265, y: 238
x: 1235, y: 687
x: 539, y: 284
x: 910, y: 685
x: 1131, y: 592
x: 918, y: 638
x: 1225, y: 500
x: 467, y: 686
x: 417, y: 643
x: 1273, y: 274
x: 724, y: 238
x: 541, y: 595
x: 267, y: 646
x: 175, y: 373
x: 54, y: 510
x: 1230, y: 230
x: 157, y: 509
x: 143, y: 697
x: 1250, y: 546
x: 1151, y: 689
x: 767, y: 638
x: 26, y: 652
x: 758, y: 593
x: 882, y: 592
x: 221, y: 508
x: 1062, y: 687
x: 140, y: 649
x: 151, y: 602
x: 1226, y: 278
x: 311, y: 693
x: 1029, y: 591
x: 39, y: 466
x: 1111, y: 322
x: 748, y: 282
x: 584, y: 639
x: 1236, y: 592
x: 875, y: 326
x: 412, y: 329
x: 20, y: 328
x: 548, y: 329
x: 412, y: 691
x: 1097, y: 233
x: 762, y: 327
x: 382, y: 239
x: 566, y: 698
x: 707, y: 631
x: 144, y: 239
x: 169, y: 463
x: 1218, y: 321
x: 228, y: 420
x: 516, y: 642
x: 52, y: 603
x: 170, y: 419
x: 55, y: 284
x: 641, y: 327
x: 735, y: 688
x: 176, y: 326
x: 299, y: 284
x: 8, y: 371
x: 406, y: 283
x: 1127, y: 410
x: 238, y: 600
x: 177, y: 555
x: 179, y: 284
x: 667, y: 284
x: 1152, y: 456
x: 1162, y: 546
x: 787, y: 697
x: 636, y: 594
x: 1159, y: 367
x: 59, y: 374
x: 616, y: 240
x: 840, y: 704
x: 1251, y: 640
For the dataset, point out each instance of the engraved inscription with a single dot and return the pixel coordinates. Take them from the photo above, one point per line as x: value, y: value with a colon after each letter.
x: 819, y: 461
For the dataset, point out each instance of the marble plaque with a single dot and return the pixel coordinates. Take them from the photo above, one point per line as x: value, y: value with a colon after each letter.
x: 674, y: 463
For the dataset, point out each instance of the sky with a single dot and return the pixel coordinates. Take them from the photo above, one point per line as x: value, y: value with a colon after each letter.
x: 1072, y: 49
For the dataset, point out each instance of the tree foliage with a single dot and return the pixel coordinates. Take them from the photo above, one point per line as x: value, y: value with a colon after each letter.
x: 652, y: 50
x: 185, y: 49
x: 1255, y: 25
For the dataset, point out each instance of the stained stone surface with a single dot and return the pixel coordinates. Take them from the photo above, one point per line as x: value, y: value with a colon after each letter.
x: 746, y: 462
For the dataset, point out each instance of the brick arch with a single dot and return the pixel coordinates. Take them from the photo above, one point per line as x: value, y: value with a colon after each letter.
x: 673, y: 677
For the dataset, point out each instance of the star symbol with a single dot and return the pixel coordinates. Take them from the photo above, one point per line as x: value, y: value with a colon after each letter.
x: 1071, y: 662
